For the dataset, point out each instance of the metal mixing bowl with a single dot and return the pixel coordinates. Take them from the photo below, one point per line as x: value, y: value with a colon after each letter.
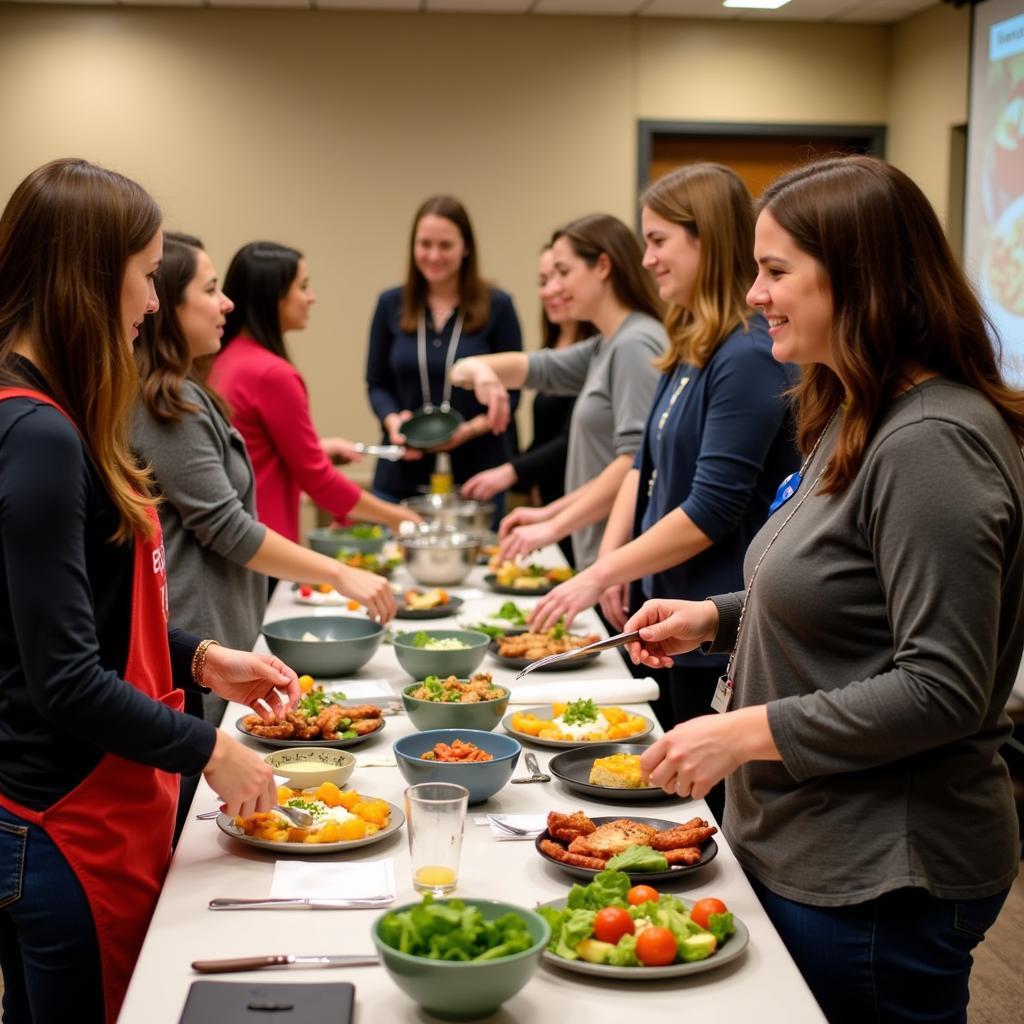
x: 439, y: 556
x: 451, y: 510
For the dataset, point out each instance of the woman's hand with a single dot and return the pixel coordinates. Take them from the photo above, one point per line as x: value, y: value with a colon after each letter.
x: 615, y: 605
x: 340, y: 448
x: 487, y: 484
x: 567, y: 600
x: 260, y: 681
x: 468, y: 431
x: 240, y: 777
x: 489, y: 391
x: 668, y: 628
x: 520, y: 517
x: 393, y: 425
x: 524, y: 539
x: 369, y: 589
x: 692, y: 757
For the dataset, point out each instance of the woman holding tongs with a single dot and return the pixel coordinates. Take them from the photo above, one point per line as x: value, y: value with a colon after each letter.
x: 444, y: 311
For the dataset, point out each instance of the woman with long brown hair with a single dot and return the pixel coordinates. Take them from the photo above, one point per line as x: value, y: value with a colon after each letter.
x: 444, y: 310
x: 597, y: 259
x: 881, y: 628
x: 91, y: 735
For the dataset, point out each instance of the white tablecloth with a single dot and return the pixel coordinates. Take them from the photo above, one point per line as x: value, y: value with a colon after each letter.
x: 763, y: 985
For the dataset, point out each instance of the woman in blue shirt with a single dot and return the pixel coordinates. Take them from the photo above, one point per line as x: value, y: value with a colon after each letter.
x: 718, y: 439
x: 443, y: 312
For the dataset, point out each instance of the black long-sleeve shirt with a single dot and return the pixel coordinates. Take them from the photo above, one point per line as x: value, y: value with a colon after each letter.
x: 65, y: 611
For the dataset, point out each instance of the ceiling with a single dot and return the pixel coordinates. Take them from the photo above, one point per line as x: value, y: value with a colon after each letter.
x: 876, y: 11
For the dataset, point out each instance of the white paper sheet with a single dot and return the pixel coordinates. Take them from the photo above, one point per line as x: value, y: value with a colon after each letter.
x: 300, y: 879
x: 543, y: 688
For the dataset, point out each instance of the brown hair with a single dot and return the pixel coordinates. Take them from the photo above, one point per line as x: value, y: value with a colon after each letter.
x: 900, y: 301
x: 161, y: 352
x: 474, y: 293
x: 66, y: 235
x: 711, y: 203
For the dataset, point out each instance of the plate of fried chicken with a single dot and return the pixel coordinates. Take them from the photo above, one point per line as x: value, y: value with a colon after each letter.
x: 582, y: 846
x: 337, y: 724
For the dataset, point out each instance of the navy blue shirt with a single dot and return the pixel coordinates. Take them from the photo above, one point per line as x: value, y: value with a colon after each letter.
x: 718, y: 451
x: 393, y: 383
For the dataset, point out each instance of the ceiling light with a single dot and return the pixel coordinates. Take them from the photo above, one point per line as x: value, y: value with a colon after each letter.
x: 759, y: 5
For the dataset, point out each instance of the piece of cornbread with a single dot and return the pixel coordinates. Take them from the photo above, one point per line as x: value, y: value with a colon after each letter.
x: 619, y: 771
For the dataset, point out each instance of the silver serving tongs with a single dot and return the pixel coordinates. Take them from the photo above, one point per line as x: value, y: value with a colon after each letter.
x: 619, y: 640
x: 389, y: 452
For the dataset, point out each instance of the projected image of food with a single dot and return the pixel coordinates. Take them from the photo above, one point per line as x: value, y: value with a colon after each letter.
x: 1004, y: 265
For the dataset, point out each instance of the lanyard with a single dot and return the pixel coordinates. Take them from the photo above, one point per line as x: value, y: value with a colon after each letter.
x: 757, y: 565
x: 449, y: 360
x: 663, y: 419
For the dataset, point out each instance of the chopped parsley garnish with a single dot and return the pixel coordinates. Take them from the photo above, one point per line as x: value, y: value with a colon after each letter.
x: 580, y: 712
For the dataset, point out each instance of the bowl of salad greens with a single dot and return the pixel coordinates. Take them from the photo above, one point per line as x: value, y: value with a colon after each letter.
x: 366, y: 538
x: 460, y: 959
x: 614, y: 929
x: 327, y: 646
x: 441, y: 652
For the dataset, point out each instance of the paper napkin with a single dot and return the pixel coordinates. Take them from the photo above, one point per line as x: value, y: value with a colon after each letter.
x: 299, y: 879
x: 623, y: 690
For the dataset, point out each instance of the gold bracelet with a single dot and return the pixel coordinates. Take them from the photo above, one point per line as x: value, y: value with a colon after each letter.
x: 199, y: 660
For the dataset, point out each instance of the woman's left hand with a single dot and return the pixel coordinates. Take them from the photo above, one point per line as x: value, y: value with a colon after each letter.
x: 489, y: 482
x: 524, y: 539
x: 568, y: 599
x: 260, y: 681
x: 689, y: 759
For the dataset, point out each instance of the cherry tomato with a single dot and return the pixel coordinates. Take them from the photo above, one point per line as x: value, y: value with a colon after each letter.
x: 612, y: 923
x: 703, y: 909
x: 656, y: 947
x: 305, y: 590
x: 641, y: 894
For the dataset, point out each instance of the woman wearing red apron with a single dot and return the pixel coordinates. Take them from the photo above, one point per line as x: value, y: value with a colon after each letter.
x: 91, y: 738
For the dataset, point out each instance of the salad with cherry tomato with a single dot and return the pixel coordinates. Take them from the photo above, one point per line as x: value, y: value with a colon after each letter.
x: 611, y: 922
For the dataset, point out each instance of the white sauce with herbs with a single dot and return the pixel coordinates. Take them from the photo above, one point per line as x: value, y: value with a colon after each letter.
x: 577, y: 732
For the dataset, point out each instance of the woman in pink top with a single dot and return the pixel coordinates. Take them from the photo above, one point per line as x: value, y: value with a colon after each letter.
x: 269, y: 285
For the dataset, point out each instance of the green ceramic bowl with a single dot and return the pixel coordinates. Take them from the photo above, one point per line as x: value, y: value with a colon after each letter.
x: 433, y: 714
x: 420, y: 663
x: 342, y: 645
x: 329, y: 540
x: 457, y: 990
x: 429, y: 428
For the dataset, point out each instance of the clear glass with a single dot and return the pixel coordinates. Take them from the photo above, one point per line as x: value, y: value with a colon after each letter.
x: 435, y: 815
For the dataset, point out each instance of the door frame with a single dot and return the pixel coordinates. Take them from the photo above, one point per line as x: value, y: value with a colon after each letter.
x: 874, y: 134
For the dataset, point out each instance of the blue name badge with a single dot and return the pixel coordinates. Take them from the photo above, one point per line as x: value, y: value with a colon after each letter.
x: 786, y: 490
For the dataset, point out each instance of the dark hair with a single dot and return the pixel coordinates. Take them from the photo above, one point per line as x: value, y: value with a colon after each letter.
x: 709, y: 202
x: 161, y: 351
x: 550, y: 332
x: 474, y: 294
x: 259, y: 277
x: 900, y: 301
x: 601, y: 233
x: 66, y: 236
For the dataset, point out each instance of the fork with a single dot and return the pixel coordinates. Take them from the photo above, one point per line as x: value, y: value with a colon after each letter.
x: 514, y: 830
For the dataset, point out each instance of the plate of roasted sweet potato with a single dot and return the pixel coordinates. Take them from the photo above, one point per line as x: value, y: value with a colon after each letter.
x: 646, y: 849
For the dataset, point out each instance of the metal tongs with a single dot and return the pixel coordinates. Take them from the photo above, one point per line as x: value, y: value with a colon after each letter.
x: 619, y: 640
x: 390, y: 452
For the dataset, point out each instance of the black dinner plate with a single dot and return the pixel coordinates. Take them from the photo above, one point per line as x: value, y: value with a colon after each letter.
x: 266, y: 741
x: 491, y: 579
x: 559, y: 666
x: 442, y: 611
x: 573, y: 768
x: 709, y: 851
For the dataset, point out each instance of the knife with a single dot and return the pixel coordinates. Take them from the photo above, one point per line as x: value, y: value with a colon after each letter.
x: 619, y: 640
x: 254, y: 963
x: 281, y: 903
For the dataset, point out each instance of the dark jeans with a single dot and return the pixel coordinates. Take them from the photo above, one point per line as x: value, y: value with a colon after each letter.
x: 903, y: 957
x: 48, y: 950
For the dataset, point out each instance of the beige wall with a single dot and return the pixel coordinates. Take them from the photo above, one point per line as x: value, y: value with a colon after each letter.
x: 326, y: 129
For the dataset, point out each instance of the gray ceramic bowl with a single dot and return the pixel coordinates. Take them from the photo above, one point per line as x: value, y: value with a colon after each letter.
x: 451, y: 510
x: 420, y: 663
x: 330, y: 540
x: 482, y: 778
x: 440, y: 556
x: 460, y: 990
x: 344, y: 644
x: 433, y: 714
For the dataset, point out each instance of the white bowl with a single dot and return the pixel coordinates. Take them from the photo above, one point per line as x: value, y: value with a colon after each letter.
x: 308, y: 767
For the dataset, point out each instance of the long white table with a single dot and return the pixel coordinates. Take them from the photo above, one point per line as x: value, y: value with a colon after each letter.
x: 763, y: 985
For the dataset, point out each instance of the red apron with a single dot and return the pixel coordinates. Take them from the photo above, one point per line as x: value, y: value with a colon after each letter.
x: 115, y: 827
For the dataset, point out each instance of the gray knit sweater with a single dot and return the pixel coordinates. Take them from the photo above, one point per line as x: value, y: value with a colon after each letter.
x: 208, y: 519
x: 884, y: 631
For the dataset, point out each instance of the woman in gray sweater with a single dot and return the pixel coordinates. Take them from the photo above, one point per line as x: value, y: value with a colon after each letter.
x: 217, y: 551
x: 880, y: 632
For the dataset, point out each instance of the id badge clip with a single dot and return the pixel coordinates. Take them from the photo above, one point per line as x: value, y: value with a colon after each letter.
x: 723, y: 694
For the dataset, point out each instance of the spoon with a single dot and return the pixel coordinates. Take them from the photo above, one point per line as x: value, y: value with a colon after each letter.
x: 296, y: 815
x: 534, y: 767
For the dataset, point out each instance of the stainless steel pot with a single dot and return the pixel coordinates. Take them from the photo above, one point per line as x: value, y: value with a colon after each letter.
x: 439, y: 556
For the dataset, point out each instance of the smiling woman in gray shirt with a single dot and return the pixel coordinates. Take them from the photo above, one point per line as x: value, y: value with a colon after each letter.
x: 881, y: 628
